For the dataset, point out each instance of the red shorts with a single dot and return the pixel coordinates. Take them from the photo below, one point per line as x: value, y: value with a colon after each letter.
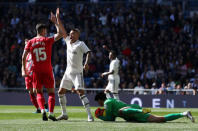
x: 45, y: 79
x: 28, y: 82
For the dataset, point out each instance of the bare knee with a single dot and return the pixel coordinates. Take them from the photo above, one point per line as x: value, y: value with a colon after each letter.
x: 62, y: 91
x: 106, y: 91
x: 80, y: 92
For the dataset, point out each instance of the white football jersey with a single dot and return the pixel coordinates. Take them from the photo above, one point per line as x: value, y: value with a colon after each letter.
x: 75, y: 53
x: 114, y: 65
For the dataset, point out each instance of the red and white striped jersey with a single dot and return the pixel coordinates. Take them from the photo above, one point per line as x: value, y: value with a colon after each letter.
x: 29, y: 64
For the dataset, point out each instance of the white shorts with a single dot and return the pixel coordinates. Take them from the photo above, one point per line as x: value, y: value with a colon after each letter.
x: 70, y: 80
x: 113, y: 85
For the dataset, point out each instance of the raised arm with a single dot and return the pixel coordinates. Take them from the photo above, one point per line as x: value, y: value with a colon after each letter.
x: 64, y: 32
x: 58, y: 35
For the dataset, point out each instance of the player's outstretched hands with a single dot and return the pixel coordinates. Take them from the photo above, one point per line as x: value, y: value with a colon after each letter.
x: 53, y: 18
x: 57, y: 13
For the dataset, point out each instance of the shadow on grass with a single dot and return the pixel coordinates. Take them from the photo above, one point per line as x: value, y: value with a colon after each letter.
x: 121, y: 122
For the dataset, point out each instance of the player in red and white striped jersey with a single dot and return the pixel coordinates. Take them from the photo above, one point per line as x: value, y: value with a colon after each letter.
x: 28, y: 80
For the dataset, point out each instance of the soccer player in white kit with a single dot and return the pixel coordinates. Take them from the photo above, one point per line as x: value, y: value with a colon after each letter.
x: 113, y: 76
x: 74, y: 72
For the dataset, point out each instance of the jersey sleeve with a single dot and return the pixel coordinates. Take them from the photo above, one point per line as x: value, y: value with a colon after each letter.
x: 112, y: 66
x: 67, y: 40
x: 84, y: 48
x: 27, y: 46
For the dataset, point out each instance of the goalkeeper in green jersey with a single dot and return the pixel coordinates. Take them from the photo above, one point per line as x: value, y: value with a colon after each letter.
x: 131, y: 112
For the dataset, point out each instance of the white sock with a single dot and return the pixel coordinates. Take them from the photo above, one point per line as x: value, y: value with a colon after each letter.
x: 85, y: 103
x: 116, y: 96
x: 108, y: 95
x: 62, y: 102
x: 185, y: 113
x: 42, y: 111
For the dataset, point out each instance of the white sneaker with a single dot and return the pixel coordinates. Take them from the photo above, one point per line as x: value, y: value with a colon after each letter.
x: 90, y: 119
x: 63, y: 117
x: 189, y: 116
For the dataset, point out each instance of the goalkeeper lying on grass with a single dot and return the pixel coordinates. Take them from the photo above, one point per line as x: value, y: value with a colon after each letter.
x: 114, y: 108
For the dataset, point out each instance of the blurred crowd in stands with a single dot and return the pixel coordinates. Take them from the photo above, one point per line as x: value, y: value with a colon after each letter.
x: 156, y: 44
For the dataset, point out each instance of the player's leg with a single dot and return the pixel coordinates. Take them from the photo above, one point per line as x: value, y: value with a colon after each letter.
x: 40, y: 98
x: 51, y: 103
x: 39, y: 91
x: 107, y: 93
x: 29, y: 87
x: 41, y: 102
x: 132, y: 114
x: 86, y: 104
x: 108, y: 89
x: 115, y: 88
x: 131, y: 111
x: 116, y: 96
x: 62, y: 102
x: 170, y: 117
x: 34, y: 100
x: 49, y: 84
x: 66, y: 84
x: 79, y: 87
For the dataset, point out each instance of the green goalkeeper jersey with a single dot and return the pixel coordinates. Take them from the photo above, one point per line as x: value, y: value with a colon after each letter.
x: 112, y: 107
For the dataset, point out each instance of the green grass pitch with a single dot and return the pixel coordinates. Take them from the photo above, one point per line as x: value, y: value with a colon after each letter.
x: 21, y: 118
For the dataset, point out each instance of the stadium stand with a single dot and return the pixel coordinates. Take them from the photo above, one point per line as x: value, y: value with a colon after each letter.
x: 157, y: 42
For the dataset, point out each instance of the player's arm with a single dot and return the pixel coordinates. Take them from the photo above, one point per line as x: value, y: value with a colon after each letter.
x: 107, y: 73
x: 24, y: 56
x: 107, y: 114
x: 58, y: 35
x: 64, y: 32
x: 111, y: 71
x: 86, y: 64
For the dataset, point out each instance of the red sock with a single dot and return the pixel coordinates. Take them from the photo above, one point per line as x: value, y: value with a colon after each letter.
x: 33, y: 100
x: 51, y: 102
x: 40, y: 100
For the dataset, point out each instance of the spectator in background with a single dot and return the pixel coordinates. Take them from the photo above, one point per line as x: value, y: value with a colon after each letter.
x: 162, y: 89
x: 179, y: 89
x: 141, y: 41
x: 195, y: 86
x: 146, y: 86
x: 138, y: 90
x: 189, y: 86
x: 154, y: 89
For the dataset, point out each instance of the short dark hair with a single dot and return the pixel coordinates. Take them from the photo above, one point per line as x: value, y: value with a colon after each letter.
x: 40, y: 27
x: 100, y: 96
x: 113, y: 53
x: 76, y: 30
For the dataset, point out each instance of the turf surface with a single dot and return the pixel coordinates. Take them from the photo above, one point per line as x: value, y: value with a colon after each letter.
x: 21, y: 118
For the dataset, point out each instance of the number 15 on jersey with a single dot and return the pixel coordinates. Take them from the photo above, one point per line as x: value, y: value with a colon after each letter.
x: 40, y: 54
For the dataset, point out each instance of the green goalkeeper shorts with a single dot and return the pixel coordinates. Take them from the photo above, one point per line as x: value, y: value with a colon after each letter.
x: 138, y: 117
